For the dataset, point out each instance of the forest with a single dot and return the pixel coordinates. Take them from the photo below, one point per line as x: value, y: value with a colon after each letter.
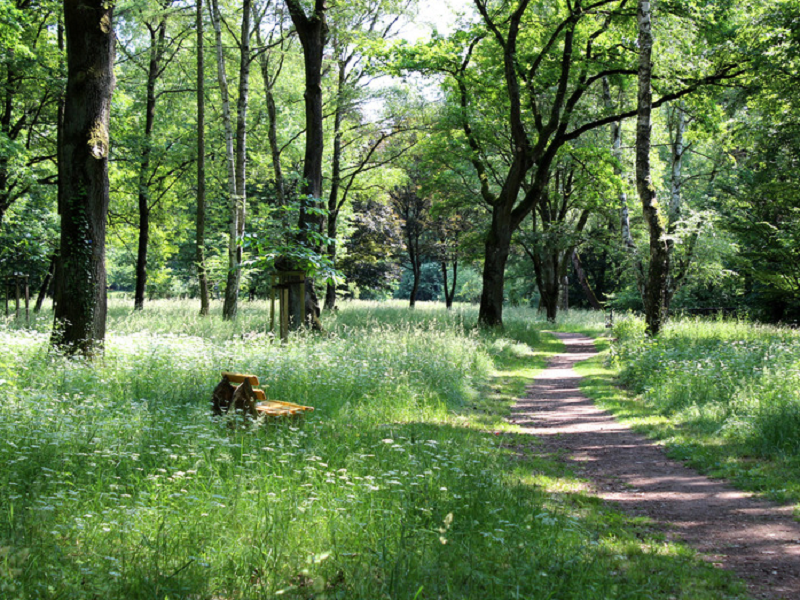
x: 494, y: 162
x: 406, y: 217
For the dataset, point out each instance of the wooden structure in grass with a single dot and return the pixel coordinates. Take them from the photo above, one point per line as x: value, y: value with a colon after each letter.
x: 16, y: 282
x: 263, y: 406
x: 287, y: 284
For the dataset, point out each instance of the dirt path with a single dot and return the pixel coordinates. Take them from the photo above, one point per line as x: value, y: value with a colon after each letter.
x: 756, y: 539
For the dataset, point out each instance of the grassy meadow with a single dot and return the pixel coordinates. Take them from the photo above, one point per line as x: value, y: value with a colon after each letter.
x: 723, y: 395
x: 404, y: 483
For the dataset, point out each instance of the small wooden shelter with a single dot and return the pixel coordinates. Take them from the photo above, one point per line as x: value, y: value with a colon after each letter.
x: 287, y: 285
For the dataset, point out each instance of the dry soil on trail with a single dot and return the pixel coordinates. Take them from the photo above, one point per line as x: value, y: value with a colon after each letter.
x: 758, y: 540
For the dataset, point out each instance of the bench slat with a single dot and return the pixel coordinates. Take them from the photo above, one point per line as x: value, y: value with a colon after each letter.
x: 240, y: 378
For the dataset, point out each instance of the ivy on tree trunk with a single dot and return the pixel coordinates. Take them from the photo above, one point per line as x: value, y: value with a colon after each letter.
x: 80, y: 315
x: 658, y: 272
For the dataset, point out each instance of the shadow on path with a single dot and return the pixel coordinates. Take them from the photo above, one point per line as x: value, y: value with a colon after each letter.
x: 758, y: 540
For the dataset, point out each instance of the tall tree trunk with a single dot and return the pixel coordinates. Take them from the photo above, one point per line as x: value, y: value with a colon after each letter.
x: 449, y: 290
x: 551, y: 265
x: 415, y: 274
x: 231, y: 304
x: 584, y: 281
x: 336, y: 174
x: 624, y: 213
x: 10, y: 88
x: 678, y: 122
x: 200, y: 231
x: 313, y: 33
x: 497, y: 247
x: 333, y: 229
x: 272, y: 118
x: 59, y: 154
x: 45, y: 284
x: 676, y: 172
x: 231, y: 291
x: 156, y: 50
x: 548, y: 282
x: 80, y: 316
x: 678, y: 268
x: 658, y: 274
x: 239, y: 159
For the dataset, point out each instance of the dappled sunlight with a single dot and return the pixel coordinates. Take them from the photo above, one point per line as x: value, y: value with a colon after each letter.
x: 745, y: 533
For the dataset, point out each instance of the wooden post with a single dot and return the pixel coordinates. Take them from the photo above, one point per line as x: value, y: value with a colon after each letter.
x: 27, y: 302
x: 284, y: 290
x: 16, y: 296
x: 6, y: 294
x: 272, y: 303
x: 303, y: 295
x: 609, y: 317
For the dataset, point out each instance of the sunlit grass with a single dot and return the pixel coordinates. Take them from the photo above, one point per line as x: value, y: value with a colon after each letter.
x: 724, y: 395
x: 405, y: 482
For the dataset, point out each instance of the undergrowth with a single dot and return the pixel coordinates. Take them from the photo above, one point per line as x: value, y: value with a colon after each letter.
x: 725, y: 395
x: 405, y: 482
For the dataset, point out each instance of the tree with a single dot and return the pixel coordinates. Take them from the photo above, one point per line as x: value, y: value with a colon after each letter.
x: 551, y: 60
x: 449, y: 230
x: 759, y: 199
x: 80, y: 316
x: 27, y: 119
x: 200, y: 235
x: 236, y: 158
x: 154, y: 69
x: 313, y: 33
x: 353, y: 25
x: 269, y: 76
x: 658, y: 269
x: 557, y: 224
x: 370, y: 250
x: 414, y: 212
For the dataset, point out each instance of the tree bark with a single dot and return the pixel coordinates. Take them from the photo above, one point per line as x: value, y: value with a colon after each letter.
x: 157, y: 37
x: 200, y: 231
x: 336, y: 173
x: 231, y: 292
x: 272, y: 115
x: 658, y: 273
x: 624, y: 213
x: 449, y: 290
x: 58, y: 269
x: 584, y: 281
x: 80, y: 316
x: 10, y: 88
x: 45, y: 285
x: 549, y: 284
x: 313, y: 33
x: 237, y: 161
x: 678, y: 268
x: 333, y: 229
x: 415, y: 274
x: 497, y: 247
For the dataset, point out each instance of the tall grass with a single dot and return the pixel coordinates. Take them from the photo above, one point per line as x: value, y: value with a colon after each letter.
x: 736, y: 379
x: 117, y: 483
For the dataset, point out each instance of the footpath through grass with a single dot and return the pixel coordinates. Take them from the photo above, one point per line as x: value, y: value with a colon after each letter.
x: 405, y: 483
x: 722, y: 395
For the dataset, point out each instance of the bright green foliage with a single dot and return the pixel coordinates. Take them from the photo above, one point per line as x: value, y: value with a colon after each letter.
x: 275, y: 240
x: 727, y: 391
x: 31, y: 82
x: 118, y: 483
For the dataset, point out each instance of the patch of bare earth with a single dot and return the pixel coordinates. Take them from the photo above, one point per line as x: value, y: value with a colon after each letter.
x: 757, y: 539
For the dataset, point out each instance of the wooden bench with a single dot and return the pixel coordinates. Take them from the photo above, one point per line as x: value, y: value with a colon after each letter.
x: 271, y: 408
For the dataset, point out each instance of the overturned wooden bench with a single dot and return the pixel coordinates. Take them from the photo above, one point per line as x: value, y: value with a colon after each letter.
x: 238, y: 391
